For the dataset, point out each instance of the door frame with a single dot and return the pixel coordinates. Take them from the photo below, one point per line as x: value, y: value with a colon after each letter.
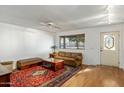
x: 119, y: 45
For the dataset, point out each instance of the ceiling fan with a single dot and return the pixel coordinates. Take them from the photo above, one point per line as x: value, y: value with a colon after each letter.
x: 50, y: 25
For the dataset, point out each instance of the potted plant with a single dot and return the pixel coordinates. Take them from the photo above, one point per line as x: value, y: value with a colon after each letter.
x: 54, y: 48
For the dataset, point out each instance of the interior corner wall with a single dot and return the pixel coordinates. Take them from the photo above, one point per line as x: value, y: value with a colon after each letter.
x: 92, y: 43
x: 18, y: 42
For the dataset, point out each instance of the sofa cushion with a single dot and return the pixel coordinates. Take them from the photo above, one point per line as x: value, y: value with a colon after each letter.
x: 73, y: 55
x: 78, y: 57
x: 61, y: 53
x: 65, y: 58
x: 67, y: 54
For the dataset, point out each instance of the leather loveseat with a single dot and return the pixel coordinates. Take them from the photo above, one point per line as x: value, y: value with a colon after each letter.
x: 70, y: 58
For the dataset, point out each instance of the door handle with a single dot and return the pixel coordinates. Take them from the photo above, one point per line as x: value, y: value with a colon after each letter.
x: 101, y: 50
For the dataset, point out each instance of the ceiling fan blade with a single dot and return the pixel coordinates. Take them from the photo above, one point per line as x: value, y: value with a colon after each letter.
x: 50, y: 25
x: 43, y: 24
x: 57, y: 27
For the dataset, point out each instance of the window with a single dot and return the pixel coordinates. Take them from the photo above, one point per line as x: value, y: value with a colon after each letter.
x: 72, y: 41
x: 109, y: 41
x: 62, y: 40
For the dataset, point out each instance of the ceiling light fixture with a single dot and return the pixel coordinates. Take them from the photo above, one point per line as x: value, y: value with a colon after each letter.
x: 50, y: 25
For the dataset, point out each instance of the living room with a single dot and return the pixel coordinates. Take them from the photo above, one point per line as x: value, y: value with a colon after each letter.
x: 61, y: 46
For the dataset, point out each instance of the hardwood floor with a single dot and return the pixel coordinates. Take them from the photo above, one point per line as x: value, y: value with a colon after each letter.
x: 97, y: 76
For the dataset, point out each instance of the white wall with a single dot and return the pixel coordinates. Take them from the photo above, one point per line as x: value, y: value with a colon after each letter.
x: 19, y: 42
x: 92, y: 42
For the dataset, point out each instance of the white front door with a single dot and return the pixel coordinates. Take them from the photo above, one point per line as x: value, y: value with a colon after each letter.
x: 109, y: 48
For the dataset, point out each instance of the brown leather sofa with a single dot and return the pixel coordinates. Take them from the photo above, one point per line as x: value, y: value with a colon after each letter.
x: 27, y: 63
x: 70, y: 58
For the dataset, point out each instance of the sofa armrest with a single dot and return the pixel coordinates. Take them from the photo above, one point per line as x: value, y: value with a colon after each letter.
x: 78, y: 58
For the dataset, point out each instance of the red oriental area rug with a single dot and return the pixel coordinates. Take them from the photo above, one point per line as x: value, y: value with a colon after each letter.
x: 40, y: 76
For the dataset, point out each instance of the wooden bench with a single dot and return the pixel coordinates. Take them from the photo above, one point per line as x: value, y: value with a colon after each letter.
x: 27, y: 63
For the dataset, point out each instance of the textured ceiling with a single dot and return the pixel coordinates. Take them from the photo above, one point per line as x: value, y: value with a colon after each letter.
x: 66, y: 17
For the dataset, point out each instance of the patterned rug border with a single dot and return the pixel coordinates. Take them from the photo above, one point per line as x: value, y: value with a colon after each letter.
x: 58, y: 81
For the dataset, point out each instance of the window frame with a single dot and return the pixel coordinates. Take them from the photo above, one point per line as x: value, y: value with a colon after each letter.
x: 64, y: 42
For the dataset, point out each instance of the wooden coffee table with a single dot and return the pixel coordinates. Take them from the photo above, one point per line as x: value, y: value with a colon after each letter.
x: 53, y: 64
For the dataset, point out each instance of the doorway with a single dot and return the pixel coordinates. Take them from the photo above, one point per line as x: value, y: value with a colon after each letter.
x: 109, y: 48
